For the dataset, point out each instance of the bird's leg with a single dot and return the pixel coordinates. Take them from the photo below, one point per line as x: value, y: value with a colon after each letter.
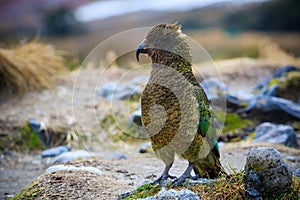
x: 184, y: 176
x: 165, y: 175
x: 197, y: 176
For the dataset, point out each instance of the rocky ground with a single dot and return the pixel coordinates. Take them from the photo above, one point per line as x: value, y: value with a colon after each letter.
x: 61, y: 107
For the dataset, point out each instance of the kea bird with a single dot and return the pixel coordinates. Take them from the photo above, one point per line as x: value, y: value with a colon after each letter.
x: 176, y: 113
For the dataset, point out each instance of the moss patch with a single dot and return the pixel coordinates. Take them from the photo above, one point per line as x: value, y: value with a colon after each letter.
x: 21, y: 138
x: 30, y: 138
x: 233, y: 122
x: 118, y: 128
x: 289, y: 87
x: 293, y: 192
x: 30, y: 192
x: 145, y: 191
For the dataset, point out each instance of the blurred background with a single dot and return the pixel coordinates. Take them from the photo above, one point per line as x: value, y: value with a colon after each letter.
x: 218, y: 25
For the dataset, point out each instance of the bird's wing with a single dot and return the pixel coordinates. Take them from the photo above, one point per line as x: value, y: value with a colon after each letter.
x: 205, y: 126
x: 204, y: 110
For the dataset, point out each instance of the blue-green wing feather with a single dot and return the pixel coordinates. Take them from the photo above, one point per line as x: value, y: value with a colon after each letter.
x: 205, y: 127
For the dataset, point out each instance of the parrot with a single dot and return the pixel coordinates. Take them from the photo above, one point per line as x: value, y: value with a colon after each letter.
x: 176, y: 113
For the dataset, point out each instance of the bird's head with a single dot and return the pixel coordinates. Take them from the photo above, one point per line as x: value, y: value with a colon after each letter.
x: 163, y: 42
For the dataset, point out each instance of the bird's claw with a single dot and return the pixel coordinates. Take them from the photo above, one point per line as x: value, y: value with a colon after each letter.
x: 196, y: 177
x: 179, y: 181
x: 172, y: 177
x: 162, y: 178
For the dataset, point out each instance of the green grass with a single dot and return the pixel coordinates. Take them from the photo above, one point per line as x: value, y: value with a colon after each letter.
x: 71, y: 62
x: 145, y: 191
x: 21, y: 138
x: 233, y: 122
x: 293, y: 193
x: 30, y: 138
x: 29, y: 192
x: 117, y: 128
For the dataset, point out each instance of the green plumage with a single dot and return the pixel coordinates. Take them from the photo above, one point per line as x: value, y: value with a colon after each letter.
x: 176, y: 113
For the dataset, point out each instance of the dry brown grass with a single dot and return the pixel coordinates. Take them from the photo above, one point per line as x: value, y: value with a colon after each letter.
x: 28, y: 67
x: 277, y: 47
x: 231, y: 187
x: 274, y: 53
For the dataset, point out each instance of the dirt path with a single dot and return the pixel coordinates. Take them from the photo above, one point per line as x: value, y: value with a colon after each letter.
x: 117, y: 175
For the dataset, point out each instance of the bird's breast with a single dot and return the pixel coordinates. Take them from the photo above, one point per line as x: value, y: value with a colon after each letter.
x: 170, y: 112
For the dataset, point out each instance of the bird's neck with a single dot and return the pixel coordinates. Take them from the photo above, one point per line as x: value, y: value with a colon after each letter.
x: 180, y: 64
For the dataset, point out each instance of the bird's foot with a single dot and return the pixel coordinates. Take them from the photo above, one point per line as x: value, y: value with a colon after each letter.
x: 184, y: 176
x: 196, y: 177
x: 163, y: 178
x: 179, y: 181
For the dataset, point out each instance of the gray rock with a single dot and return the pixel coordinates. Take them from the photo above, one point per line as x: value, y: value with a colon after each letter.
x: 276, y: 134
x: 7, y: 196
x: 174, y: 195
x: 55, y: 151
x: 199, y: 181
x: 297, y: 173
x: 73, y: 168
x: 40, y: 129
x: 71, y: 155
x: 124, y: 195
x: 107, y: 89
x: 291, y: 158
x: 110, y: 155
x: 214, y: 88
x: 266, y: 104
x: 119, y: 156
x: 266, y: 173
x: 262, y: 103
x: 121, y: 91
x: 144, y: 148
x: 264, y: 82
x: 139, y: 80
x: 136, y: 117
x: 282, y: 71
x: 126, y: 92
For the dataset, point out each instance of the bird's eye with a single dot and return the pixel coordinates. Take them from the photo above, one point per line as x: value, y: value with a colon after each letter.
x: 156, y: 41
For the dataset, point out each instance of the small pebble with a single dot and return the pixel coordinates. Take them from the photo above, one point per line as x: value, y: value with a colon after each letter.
x: 125, y: 194
x: 291, y: 158
x: 55, y: 151
x: 72, y: 168
x: 174, y: 195
x: 71, y: 155
x: 145, y: 147
x: 199, y: 181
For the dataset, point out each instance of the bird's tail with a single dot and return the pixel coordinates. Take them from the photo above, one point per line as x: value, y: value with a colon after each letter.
x: 210, y: 167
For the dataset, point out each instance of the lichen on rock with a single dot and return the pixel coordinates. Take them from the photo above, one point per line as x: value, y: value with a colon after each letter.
x: 266, y: 173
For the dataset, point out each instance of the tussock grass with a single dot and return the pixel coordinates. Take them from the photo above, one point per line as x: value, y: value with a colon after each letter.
x: 226, y: 187
x: 29, y: 67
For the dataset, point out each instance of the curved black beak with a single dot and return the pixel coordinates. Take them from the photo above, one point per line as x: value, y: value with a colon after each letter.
x: 140, y: 49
